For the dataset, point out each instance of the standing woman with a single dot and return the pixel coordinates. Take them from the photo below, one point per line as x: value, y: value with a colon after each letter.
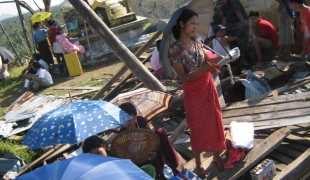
x: 39, y: 39
x: 193, y: 66
x: 286, y: 29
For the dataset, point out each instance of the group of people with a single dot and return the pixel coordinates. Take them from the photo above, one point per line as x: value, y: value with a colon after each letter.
x: 194, y: 66
x: 38, y: 71
x: 37, y: 74
x: 44, y: 40
x: 152, y: 164
x: 234, y: 30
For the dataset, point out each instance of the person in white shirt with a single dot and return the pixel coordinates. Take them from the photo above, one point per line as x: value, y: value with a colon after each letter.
x: 221, y: 41
x: 155, y: 62
x: 42, y: 79
x: 37, y: 57
x: 4, y: 74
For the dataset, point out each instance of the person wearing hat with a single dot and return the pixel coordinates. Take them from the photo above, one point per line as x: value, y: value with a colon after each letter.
x: 220, y: 42
x: 69, y: 47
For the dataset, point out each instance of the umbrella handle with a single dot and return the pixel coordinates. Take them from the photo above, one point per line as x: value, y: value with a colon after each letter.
x: 207, y: 47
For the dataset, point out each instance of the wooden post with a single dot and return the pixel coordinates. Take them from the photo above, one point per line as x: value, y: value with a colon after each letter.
x: 117, y: 87
x: 124, y: 68
x: 120, y: 50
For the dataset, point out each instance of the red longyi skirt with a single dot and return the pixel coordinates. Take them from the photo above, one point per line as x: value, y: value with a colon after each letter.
x: 204, y: 115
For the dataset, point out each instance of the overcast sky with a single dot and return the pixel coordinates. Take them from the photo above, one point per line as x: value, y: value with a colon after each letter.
x: 10, y: 8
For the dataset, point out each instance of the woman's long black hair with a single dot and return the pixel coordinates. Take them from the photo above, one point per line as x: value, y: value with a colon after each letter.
x: 186, y: 15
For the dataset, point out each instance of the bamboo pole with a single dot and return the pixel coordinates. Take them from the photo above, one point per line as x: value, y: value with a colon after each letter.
x: 23, y: 25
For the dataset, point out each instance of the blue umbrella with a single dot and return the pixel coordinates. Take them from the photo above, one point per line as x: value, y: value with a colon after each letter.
x: 88, y: 166
x: 74, y: 122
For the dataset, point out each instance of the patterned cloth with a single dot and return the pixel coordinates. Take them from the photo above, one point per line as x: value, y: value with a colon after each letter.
x: 286, y: 28
x: 203, y: 111
x: 305, y: 26
x: 68, y: 46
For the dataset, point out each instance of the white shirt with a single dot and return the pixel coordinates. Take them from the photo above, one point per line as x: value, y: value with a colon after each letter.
x: 44, y: 74
x: 217, y: 47
x: 155, y: 60
x: 43, y: 64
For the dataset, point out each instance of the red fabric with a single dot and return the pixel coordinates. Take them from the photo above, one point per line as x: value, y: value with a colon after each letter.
x: 204, y: 115
x: 268, y: 31
x: 52, y: 32
x: 234, y: 156
x: 305, y: 26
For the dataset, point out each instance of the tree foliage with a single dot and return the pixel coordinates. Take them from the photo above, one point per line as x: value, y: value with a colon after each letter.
x: 153, y: 9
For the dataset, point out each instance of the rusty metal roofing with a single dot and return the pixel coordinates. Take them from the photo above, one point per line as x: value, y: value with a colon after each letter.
x: 29, y: 107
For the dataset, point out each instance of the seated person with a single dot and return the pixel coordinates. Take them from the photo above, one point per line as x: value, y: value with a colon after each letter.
x: 155, y: 61
x: 69, y: 47
x: 4, y: 74
x: 42, y: 79
x: 37, y: 57
x: 265, y: 35
x: 220, y: 35
x: 96, y: 145
x: 165, y: 153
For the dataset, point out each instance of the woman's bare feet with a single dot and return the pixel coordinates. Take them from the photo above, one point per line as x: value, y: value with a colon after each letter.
x: 281, y: 56
x: 219, y: 162
x: 200, y: 172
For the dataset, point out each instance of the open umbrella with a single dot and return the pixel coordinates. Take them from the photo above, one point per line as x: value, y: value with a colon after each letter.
x: 74, y: 122
x: 88, y: 166
x: 148, y: 103
x: 40, y: 16
x: 158, y: 25
x: 205, y: 11
x: 6, y: 54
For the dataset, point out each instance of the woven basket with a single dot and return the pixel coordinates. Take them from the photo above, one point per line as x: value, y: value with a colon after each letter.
x: 134, y: 144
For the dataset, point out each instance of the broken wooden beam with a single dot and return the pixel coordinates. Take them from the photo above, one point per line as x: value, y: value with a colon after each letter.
x: 255, y: 155
x: 297, y: 169
x: 124, y: 68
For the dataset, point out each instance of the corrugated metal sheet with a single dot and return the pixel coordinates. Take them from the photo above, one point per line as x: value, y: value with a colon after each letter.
x: 29, y: 107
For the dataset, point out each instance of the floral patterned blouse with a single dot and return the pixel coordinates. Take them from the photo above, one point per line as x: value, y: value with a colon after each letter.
x: 191, y: 60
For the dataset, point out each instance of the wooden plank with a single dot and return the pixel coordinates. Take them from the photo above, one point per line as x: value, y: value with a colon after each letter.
x: 76, y: 88
x: 16, y: 138
x: 124, y: 68
x: 266, y: 108
x: 40, y: 159
x: 285, y: 88
x: 81, y: 93
x: 271, y: 100
x: 255, y: 155
x: 269, y: 116
x: 185, y: 152
x: 280, y: 157
x: 60, y: 150
x: 297, y: 169
x: 178, y: 132
x: 276, y: 123
x: 289, y: 152
x: 295, y: 146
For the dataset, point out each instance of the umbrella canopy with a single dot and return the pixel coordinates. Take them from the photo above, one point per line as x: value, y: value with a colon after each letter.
x: 88, y: 166
x: 40, y: 16
x: 148, y: 103
x: 6, y: 55
x: 158, y: 25
x: 205, y: 11
x: 74, y: 122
